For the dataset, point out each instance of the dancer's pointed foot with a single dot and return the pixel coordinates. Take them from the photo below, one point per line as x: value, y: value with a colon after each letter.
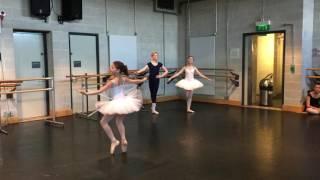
x: 113, y: 146
x: 124, y: 146
x: 190, y: 111
x: 155, y: 112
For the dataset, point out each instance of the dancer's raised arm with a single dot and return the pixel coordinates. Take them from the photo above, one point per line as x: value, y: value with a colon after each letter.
x: 107, y: 86
x: 135, y: 81
x: 144, y: 69
x: 177, y: 74
x: 201, y: 75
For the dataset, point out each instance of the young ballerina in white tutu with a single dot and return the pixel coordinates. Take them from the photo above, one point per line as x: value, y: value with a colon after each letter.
x: 125, y: 99
x: 189, y: 83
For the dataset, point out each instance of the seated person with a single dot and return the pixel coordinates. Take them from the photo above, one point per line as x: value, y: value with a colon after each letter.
x: 313, y: 100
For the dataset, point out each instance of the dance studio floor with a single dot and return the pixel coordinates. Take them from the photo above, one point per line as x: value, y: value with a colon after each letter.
x: 217, y: 142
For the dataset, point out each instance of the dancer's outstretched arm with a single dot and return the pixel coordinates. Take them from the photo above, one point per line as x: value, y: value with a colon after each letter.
x: 177, y: 74
x: 201, y: 75
x: 135, y: 81
x: 144, y: 69
x: 107, y: 86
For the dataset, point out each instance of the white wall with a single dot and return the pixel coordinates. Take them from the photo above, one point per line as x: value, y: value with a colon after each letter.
x: 155, y: 31
x: 316, y: 35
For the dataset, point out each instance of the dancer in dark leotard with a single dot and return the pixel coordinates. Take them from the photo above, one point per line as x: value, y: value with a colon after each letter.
x: 313, y: 100
x: 154, y: 78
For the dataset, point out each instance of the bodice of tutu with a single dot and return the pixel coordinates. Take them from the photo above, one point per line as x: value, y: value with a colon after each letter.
x: 118, y: 91
x: 189, y: 73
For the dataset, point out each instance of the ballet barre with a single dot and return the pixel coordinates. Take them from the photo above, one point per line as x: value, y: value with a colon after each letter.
x: 27, y: 91
x: 50, y: 119
x: 84, y: 80
x: 313, y: 69
x: 313, y: 77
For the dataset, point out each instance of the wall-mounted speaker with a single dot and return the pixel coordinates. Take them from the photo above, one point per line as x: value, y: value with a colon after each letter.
x: 71, y: 10
x: 167, y: 6
x: 40, y: 8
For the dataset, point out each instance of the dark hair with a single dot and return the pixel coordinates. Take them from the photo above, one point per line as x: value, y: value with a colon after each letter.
x: 190, y: 57
x: 317, y: 83
x: 186, y: 62
x: 122, y: 67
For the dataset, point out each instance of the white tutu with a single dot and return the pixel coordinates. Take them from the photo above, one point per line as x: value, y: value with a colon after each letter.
x: 122, y: 102
x: 189, y: 84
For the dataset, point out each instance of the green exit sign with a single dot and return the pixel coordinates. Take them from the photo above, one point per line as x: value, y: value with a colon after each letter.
x: 263, y: 26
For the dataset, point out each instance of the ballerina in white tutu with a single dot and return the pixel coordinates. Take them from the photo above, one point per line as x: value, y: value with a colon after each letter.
x: 125, y: 98
x: 189, y: 83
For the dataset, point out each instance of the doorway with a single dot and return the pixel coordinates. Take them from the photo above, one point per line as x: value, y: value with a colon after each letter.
x: 83, y: 59
x: 263, y: 69
x: 31, y: 62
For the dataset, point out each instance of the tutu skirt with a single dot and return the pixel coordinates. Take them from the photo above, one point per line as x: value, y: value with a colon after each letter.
x: 121, y: 104
x: 189, y: 85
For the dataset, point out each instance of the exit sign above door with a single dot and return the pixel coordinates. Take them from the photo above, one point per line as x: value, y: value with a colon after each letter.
x: 262, y: 26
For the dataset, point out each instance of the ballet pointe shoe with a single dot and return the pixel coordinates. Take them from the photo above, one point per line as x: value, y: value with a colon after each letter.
x: 190, y: 111
x: 155, y: 112
x: 113, y: 146
x: 153, y: 109
x: 124, y: 146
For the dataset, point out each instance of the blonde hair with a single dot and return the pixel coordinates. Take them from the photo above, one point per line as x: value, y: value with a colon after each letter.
x: 153, y: 53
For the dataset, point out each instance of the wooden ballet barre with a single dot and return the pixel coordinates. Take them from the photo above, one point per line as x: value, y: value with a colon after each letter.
x: 215, y: 69
x: 9, y: 85
x: 21, y: 80
x: 26, y: 91
x: 27, y: 79
x: 313, y: 69
x: 87, y: 76
x: 10, y: 81
x: 313, y: 77
x: 131, y: 72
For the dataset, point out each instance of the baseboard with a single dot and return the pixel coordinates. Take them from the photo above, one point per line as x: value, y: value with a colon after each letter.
x: 63, y: 112
x: 14, y: 120
x: 163, y: 99
x: 10, y: 120
x: 287, y: 108
x: 216, y: 101
x: 293, y: 108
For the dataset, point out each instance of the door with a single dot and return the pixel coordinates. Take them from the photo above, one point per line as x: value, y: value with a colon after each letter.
x: 263, y: 62
x: 83, y: 59
x: 30, y: 62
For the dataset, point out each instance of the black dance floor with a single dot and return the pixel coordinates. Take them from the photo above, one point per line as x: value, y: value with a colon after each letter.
x: 216, y: 142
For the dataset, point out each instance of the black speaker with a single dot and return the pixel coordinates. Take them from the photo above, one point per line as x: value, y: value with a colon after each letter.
x: 166, y: 4
x: 71, y: 10
x: 40, y: 8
